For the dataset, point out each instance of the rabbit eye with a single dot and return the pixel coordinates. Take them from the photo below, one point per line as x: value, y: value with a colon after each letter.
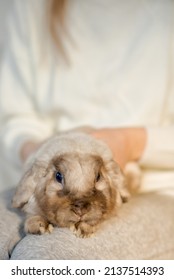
x: 59, y: 177
x: 98, y: 177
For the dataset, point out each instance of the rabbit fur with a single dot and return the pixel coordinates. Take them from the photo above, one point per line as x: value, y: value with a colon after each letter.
x: 71, y: 181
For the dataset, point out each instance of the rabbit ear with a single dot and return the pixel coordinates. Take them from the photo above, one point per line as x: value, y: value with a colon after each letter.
x: 27, y: 185
x: 117, y: 180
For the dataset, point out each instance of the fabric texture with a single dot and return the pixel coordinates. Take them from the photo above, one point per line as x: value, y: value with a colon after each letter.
x: 143, y: 229
x: 10, y: 225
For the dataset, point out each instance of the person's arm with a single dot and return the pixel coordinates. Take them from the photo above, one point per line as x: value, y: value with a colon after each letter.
x: 159, y: 150
x: 152, y: 147
x: 20, y: 120
x: 127, y: 144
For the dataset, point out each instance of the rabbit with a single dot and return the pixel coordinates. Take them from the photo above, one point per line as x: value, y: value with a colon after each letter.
x: 72, y: 181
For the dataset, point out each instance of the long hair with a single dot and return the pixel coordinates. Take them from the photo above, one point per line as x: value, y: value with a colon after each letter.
x: 56, y: 22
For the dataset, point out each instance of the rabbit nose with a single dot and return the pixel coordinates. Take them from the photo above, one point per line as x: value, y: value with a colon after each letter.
x: 81, y: 207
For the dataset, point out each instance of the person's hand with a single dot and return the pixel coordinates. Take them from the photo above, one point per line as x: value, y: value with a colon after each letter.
x: 28, y: 148
x: 126, y: 144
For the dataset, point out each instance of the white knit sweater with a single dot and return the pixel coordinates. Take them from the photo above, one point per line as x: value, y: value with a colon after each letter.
x: 120, y: 73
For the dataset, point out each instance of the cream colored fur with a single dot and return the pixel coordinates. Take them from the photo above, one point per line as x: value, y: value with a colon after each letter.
x: 92, y: 189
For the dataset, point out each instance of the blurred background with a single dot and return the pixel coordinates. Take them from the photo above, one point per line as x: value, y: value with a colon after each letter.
x: 4, y: 8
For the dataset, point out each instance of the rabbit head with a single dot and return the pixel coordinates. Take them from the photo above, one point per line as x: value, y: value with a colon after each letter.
x: 75, y: 183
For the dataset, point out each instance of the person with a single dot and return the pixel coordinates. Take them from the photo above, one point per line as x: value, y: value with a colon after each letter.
x: 107, y: 65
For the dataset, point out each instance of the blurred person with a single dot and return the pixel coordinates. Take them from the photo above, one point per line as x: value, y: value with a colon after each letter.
x: 106, y: 65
